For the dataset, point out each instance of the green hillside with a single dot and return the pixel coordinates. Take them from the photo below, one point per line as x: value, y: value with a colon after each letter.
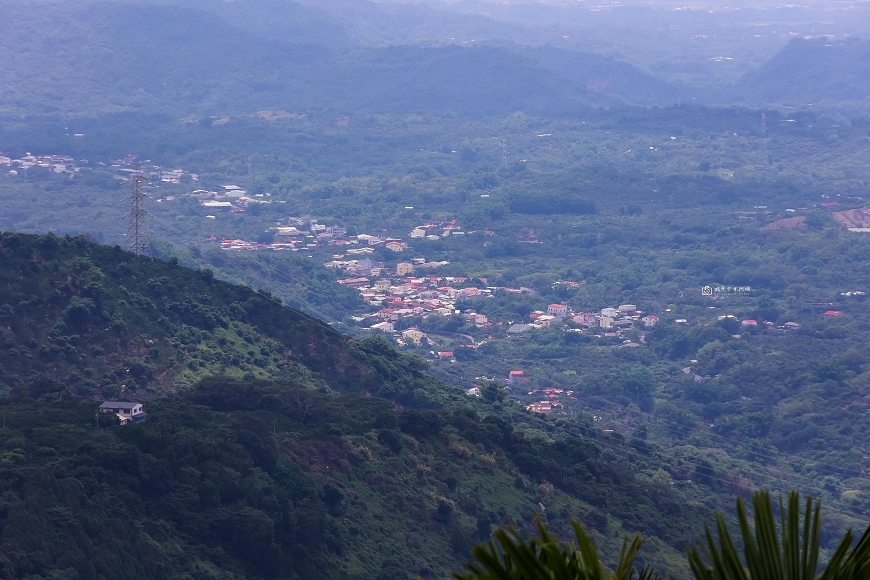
x: 811, y: 71
x: 280, y: 448
x: 104, y: 324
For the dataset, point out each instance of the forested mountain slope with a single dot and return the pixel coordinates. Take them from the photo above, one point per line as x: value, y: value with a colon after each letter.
x: 87, y: 58
x: 809, y: 71
x: 104, y: 323
x: 298, y: 452
x: 606, y: 76
x: 84, y: 59
x: 354, y: 23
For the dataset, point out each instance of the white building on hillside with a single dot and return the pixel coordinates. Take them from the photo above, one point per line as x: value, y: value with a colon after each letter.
x: 557, y: 310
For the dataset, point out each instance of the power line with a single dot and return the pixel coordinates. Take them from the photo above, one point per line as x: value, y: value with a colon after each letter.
x: 137, y: 229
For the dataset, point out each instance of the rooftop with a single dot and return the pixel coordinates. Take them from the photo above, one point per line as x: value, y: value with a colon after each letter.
x: 117, y: 405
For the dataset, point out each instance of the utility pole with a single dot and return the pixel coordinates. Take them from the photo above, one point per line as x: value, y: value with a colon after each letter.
x: 137, y: 230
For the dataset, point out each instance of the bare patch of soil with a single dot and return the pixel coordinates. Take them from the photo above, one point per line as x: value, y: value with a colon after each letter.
x: 854, y: 218
x: 792, y: 223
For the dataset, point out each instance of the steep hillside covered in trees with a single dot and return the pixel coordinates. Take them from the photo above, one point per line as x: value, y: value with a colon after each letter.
x: 283, y: 449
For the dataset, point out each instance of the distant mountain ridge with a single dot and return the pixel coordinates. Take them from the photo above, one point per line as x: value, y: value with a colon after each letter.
x: 217, y: 58
x: 352, y: 23
x: 86, y: 59
x: 605, y: 76
x: 810, y: 71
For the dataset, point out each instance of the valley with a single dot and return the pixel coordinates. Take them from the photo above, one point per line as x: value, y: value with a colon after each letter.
x: 418, y: 272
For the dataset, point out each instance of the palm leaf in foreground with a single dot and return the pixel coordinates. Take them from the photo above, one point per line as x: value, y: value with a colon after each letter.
x: 794, y: 556
x: 509, y: 556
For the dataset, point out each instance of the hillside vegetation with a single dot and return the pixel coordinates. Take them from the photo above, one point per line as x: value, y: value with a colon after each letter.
x: 296, y: 450
x: 808, y: 72
x: 183, y: 61
x: 105, y: 324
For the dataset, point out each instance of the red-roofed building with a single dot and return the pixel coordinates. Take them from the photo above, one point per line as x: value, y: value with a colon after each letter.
x: 445, y: 354
x: 833, y: 313
x: 388, y: 314
x: 749, y: 322
x: 650, y: 320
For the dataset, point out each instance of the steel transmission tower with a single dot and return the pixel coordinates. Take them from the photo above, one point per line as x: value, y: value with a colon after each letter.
x: 137, y: 230
x: 504, y: 162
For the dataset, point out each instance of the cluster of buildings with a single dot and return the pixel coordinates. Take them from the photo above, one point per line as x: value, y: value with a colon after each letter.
x: 406, y: 297
x: 125, y: 166
x: 366, y: 267
x: 54, y: 163
x: 294, y: 234
x: 549, y: 399
x: 230, y: 198
x: 436, y: 230
x: 156, y: 174
x: 238, y: 245
x: 609, y: 319
x: 172, y: 176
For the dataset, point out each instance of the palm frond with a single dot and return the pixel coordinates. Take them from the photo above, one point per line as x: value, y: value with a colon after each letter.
x: 767, y: 556
x: 509, y: 556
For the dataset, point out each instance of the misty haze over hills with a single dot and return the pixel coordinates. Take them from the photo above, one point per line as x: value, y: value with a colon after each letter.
x: 236, y: 57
